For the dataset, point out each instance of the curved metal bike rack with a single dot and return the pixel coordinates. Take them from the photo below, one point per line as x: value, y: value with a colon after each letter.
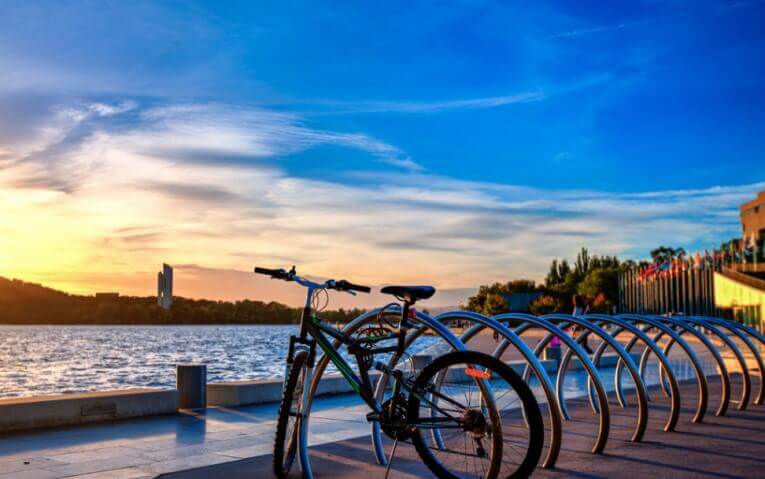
x: 526, y: 322
x: 747, y: 381
x: 482, y: 322
x: 424, y: 322
x: 683, y: 328
x: 742, y: 335
x: 512, y: 326
x: 640, y: 389
x: 622, y: 325
x: 701, y: 379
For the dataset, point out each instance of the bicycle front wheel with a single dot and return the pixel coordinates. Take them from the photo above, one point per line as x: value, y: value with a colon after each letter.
x: 290, y: 415
x: 467, y: 413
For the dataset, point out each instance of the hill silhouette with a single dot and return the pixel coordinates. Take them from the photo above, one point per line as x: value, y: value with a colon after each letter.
x: 22, y: 302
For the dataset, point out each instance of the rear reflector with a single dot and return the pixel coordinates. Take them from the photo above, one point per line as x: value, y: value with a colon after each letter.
x: 478, y: 374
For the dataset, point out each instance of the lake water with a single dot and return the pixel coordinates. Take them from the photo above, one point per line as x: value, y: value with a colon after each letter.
x: 38, y: 360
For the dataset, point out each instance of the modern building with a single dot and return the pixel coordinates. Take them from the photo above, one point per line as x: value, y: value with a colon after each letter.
x: 165, y: 286
x: 753, y: 217
x: 741, y: 297
x: 520, y: 302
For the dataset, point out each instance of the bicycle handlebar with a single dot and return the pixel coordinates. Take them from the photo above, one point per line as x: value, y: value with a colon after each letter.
x: 340, y: 285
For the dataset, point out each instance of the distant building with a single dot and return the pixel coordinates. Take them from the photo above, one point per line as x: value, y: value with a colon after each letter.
x: 520, y: 302
x: 165, y: 286
x: 753, y: 217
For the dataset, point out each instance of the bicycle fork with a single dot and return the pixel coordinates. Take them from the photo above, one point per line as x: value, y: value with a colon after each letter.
x: 300, y: 343
x: 305, y: 462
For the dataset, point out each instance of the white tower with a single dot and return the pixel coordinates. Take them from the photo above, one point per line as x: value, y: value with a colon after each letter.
x: 165, y: 286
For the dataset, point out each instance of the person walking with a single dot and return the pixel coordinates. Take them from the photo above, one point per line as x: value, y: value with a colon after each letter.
x: 580, y: 308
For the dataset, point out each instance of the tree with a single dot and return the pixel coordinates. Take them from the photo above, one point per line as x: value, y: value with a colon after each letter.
x: 490, y: 299
x: 495, y: 304
x: 582, y: 264
x: 664, y: 253
x: 558, y: 273
x: 601, y: 288
x: 544, y: 305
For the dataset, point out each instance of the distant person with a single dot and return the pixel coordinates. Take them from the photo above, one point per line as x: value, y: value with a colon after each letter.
x: 580, y: 308
x: 580, y: 305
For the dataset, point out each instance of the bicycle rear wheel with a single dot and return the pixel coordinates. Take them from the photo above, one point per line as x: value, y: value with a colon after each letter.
x: 290, y: 411
x: 467, y: 409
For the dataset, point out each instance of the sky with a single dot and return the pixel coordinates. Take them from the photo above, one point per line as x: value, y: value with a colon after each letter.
x: 452, y: 144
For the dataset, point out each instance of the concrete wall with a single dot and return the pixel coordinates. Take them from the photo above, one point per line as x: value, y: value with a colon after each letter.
x: 245, y: 393
x: 75, y: 409
x: 72, y: 409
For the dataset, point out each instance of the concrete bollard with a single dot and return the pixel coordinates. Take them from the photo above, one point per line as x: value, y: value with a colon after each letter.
x: 419, y: 361
x: 191, y: 380
x: 552, y: 353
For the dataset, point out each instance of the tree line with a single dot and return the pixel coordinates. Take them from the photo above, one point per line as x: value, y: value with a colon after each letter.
x: 29, y: 303
x: 595, y: 278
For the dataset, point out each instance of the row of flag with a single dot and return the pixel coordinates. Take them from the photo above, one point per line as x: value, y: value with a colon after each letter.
x: 733, y: 252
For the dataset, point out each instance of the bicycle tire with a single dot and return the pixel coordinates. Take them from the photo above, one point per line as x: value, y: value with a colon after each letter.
x: 284, y: 457
x: 500, y: 369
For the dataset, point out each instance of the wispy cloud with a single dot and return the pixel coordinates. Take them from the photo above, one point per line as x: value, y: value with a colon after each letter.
x: 200, y: 133
x: 615, y: 26
x: 720, y: 8
x: 343, y: 107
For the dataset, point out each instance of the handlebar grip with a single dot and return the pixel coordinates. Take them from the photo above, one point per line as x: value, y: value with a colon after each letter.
x: 343, y: 284
x: 274, y: 273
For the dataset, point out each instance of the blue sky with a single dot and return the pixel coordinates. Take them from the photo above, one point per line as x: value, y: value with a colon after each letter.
x: 472, y: 141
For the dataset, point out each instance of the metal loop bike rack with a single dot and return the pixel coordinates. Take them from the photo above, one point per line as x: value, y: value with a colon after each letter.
x: 523, y: 322
x: 747, y: 382
x: 674, y: 413
x: 482, y: 322
x: 742, y: 335
x: 511, y: 327
x: 424, y: 321
x: 701, y: 379
x: 640, y: 389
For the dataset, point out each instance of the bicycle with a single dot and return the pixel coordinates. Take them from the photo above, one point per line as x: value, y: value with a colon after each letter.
x: 451, y: 411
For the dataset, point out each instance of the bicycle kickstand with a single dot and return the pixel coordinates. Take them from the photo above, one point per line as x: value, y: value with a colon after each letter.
x: 390, y: 459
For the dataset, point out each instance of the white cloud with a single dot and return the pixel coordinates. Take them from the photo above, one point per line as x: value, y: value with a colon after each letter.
x: 104, y: 109
x: 253, y: 132
x: 143, y: 196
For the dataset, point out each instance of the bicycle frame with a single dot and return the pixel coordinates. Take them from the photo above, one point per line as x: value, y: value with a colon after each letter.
x: 314, y: 332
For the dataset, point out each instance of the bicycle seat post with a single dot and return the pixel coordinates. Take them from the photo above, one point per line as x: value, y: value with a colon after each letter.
x: 403, y: 326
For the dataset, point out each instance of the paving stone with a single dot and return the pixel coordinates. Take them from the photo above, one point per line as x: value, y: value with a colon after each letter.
x: 98, y: 465
x: 127, y: 473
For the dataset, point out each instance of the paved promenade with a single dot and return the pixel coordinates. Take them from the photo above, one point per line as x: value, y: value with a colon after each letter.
x: 722, y: 447
x: 144, y: 448
x: 147, y: 447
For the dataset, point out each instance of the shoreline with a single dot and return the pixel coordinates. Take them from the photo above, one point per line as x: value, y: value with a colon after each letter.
x: 148, y: 324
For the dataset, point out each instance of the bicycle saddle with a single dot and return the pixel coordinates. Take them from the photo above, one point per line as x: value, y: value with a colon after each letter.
x: 410, y: 293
